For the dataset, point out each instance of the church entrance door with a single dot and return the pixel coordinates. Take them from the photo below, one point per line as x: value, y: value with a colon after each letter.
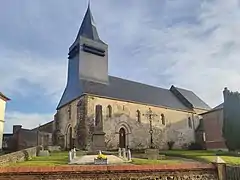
x: 122, y: 138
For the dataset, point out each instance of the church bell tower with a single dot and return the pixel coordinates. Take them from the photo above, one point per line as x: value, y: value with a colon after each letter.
x: 88, y: 55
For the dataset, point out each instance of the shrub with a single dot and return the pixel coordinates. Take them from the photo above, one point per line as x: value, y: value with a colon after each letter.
x: 170, y: 145
x: 195, y: 146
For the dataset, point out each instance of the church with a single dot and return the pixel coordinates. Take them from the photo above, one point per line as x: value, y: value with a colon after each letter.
x: 127, y: 113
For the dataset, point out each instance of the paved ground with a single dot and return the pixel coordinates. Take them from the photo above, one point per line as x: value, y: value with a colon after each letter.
x: 89, y: 159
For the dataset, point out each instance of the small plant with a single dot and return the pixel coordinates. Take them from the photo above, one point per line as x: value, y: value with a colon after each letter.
x: 101, y: 156
x: 170, y: 145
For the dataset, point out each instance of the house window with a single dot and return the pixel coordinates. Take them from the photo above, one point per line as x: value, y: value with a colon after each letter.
x: 138, y: 115
x: 163, y: 119
x: 109, y: 111
x: 69, y: 111
x: 189, y: 122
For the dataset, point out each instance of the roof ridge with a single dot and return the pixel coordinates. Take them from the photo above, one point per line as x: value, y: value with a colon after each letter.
x: 3, y: 96
x: 140, y: 83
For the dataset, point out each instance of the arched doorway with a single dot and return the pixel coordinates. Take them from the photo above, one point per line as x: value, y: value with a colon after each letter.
x: 122, y: 138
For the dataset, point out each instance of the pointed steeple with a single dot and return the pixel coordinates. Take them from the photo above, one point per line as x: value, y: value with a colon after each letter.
x: 88, y: 28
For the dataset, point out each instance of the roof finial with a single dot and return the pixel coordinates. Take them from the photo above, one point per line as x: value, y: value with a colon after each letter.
x: 89, y: 4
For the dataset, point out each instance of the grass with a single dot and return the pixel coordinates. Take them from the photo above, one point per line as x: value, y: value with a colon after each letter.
x: 61, y: 158
x: 138, y: 161
x: 204, y: 156
x: 172, y: 157
x: 55, y: 159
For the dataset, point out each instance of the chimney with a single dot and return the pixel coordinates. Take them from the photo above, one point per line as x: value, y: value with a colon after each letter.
x: 16, y: 128
x: 225, y: 93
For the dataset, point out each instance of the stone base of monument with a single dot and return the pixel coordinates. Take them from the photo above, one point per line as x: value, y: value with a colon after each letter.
x: 100, y: 161
x: 90, y: 159
x: 152, y: 154
x: 98, y: 142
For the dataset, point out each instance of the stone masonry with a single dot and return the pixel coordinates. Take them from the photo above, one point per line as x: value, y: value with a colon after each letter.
x: 154, y: 172
x: 124, y: 115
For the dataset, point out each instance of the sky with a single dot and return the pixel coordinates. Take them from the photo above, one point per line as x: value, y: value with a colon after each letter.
x: 189, y: 44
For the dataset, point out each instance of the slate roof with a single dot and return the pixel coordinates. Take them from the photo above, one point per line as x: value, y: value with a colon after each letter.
x: 193, y: 99
x: 219, y: 107
x: 47, y: 127
x: 88, y: 28
x: 126, y: 90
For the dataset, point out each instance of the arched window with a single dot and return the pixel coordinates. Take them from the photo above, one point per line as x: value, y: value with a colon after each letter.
x: 69, y: 111
x: 163, y: 119
x: 189, y: 122
x: 109, y: 111
x: 138, y: 116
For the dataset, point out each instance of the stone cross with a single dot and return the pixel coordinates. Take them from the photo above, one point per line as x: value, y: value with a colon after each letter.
x: 150, y: 116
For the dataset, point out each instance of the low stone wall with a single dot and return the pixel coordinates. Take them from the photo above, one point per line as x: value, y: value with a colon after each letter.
x: 133, y: 172
x: 18, y: 156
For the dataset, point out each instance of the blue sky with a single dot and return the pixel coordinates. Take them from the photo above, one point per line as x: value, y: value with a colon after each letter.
x: 191, y: 44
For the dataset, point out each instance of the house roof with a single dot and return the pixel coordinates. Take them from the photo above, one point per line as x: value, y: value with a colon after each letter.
x: 47, y: 127
x: 219, y: 107
x: 191, y: 97
x: 5, y: 98
x: 126, y: 90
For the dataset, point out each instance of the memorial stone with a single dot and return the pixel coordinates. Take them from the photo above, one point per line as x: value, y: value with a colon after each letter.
x: 98, y: 137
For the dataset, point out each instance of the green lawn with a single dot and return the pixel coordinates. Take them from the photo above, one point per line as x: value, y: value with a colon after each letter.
x: 55, y: 159
x: 61, y: 158
x: 138, y: 161
x: 205, y: 156
x: 172, y: 157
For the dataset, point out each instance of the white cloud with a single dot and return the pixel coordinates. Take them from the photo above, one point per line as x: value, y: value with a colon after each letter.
x: 202, y: 56
x: 47, y: 75
x: 196, y: 49
x: 27, y: 120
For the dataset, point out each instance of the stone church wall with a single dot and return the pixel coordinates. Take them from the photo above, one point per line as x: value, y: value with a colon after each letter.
x: 124, y: 114
x: 65, y: 120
